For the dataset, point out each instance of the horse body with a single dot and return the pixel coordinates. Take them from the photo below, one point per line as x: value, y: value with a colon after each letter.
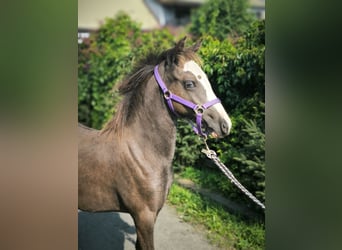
x: 130, y: 172
x: 127, y: 166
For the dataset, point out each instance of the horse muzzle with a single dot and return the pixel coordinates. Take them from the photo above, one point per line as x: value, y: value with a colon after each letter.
x: 216, y: 123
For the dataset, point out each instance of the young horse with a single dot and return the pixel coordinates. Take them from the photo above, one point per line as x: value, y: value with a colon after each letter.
x: 127, y: 165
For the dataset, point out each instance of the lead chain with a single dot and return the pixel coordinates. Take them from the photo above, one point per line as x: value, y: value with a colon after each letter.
x: 211, y: 154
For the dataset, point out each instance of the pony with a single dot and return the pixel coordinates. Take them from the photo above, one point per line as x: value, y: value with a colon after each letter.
x: 127, y: 165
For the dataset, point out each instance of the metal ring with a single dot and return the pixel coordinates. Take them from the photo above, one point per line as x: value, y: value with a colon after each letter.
x: 199, y: 109
x: 167, y: 94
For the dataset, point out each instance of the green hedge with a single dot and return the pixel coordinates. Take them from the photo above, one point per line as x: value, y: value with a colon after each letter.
x: 236, y: 72
x: 221, y: 19
x: 105, y: 59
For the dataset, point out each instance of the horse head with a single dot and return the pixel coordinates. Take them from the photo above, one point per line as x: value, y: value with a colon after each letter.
x: 188, y: 91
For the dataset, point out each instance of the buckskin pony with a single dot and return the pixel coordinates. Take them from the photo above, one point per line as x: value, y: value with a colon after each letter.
x: 127, y: 166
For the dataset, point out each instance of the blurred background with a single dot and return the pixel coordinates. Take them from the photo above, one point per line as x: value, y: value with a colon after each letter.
x: 151, y: 14
x: 40, y: 103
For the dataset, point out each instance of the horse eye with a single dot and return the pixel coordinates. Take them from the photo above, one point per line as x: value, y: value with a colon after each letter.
x: 189, y: 84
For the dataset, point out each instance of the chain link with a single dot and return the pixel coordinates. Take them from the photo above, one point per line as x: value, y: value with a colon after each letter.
x: 211, y: 154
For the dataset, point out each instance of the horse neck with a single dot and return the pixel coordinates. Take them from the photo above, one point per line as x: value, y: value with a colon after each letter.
x: 153, y: 127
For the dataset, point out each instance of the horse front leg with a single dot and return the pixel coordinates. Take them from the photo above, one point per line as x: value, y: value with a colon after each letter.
x: 144, y: 224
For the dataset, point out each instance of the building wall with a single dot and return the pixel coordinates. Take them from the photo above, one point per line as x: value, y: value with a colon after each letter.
x: 91, y: 13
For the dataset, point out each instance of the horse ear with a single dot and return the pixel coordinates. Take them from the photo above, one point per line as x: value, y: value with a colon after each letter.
x: 172, y: 54
x: 180, y: 45
x: 196, y: 46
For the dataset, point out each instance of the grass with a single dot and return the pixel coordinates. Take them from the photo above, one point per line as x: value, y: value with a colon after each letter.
x: 223, y: 229
x: 207, y: 178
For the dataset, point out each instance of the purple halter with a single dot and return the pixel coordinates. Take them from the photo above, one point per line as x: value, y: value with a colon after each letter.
x: 197, y: 108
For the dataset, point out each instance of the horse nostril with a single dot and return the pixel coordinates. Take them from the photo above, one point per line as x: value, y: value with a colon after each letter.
x: 224, y: 127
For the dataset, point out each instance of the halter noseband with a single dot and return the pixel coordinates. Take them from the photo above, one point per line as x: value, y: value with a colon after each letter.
x: 197, y: 108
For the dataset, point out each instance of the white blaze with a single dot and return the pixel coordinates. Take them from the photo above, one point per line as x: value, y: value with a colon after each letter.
x: 201, y: 77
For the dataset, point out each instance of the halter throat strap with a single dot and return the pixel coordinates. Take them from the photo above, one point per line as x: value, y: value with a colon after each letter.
x: 197, y: 108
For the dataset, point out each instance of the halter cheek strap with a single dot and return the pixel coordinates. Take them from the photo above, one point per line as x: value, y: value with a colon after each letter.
x: 197, y: 108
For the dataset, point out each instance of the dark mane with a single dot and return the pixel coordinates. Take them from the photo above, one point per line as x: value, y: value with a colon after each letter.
x: 134, y: 83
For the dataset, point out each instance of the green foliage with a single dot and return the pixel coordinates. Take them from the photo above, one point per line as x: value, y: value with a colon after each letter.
x: 249, y: 167
x: 223, y: 229
x: 210, y: 178
x: 255, y: 35
x: 220, y: 18
x: 236, y: 72
x: 105, y: 59
x: 188, y: 146
x: 252, y: 158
